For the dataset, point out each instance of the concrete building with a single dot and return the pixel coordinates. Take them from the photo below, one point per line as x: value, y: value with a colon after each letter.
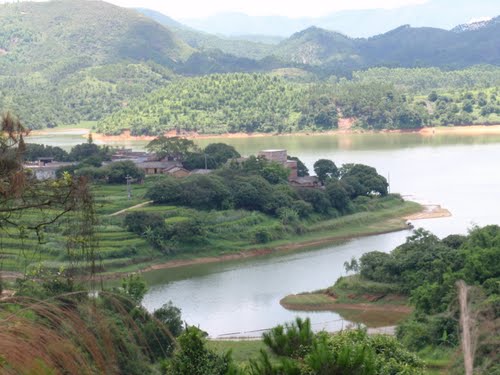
x: 46, y: 170
x: 281, y: 156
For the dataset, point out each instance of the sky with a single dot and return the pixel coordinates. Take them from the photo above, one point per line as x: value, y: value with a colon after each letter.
x: 181, y: 9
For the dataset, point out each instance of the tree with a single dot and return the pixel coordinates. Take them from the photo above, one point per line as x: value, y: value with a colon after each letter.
x: 170, y: 315
x: 90, y: 149
x: 221, y: 152
x: 325, y: 169
x: 194, y: 358
x: 167, y: 190
x: 19, y: 192
x: 205, y: 192
x: 351, y: 266
x: 35, y: 151
x: 339, y: 198
x: 134, y: 287
x: 118, y: 172
x: 274, y: 173
x: 172, y: 148
x: 363, y: 179
x: 317, y: 198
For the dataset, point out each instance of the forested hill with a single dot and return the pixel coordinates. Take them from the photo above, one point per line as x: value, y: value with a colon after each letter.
x: 64, y: 36
x: 402, y: 47
x: 66, y: 61
x: 62, y: 62
x: 376, y: 99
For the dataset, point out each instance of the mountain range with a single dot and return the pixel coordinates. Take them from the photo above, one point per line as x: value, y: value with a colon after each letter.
x: 443, y: 14
x: 77, y: 60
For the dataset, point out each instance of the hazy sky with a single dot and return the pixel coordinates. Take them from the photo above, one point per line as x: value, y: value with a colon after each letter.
x: 290, y: 8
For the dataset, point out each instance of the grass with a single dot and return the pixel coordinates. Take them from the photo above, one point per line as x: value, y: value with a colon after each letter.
x: 225, y: 232
x: 355, y: 299
x: 438, y: 361
x: 242, y: 351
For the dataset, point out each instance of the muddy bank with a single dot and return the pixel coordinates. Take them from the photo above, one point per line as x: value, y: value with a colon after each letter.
x: 334, y: 306
x: 471, y: 130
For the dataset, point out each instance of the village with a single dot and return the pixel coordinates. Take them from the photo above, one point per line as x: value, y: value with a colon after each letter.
x: 45, y: 168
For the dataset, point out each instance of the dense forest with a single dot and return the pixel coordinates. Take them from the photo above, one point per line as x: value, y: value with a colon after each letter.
x: 122, y: 55
x: 268, y: 103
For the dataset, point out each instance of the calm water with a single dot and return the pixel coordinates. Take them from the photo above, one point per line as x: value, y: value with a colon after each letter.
x: 461, y: 173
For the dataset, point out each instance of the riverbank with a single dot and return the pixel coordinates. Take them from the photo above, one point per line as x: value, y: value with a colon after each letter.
x: 468, y: 130
x: 362, y: 224
x: 355, y: 299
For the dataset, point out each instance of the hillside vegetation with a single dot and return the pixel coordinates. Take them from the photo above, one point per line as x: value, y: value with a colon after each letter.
x: 270, y: 104
x: 63, y: 61
x: 214, y: 104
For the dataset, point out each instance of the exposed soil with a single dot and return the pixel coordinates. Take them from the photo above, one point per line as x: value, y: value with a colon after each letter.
x: 430, y: 212
x: 345, y: 127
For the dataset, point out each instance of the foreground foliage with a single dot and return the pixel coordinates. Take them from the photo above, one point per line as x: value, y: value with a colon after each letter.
x: 427, y: 269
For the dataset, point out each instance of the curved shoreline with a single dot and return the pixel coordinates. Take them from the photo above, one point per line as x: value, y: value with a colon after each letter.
x: 470, y: 130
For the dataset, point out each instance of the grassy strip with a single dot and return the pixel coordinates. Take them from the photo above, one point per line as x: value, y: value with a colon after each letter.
x: 355, y: 299
x: 242, y: 351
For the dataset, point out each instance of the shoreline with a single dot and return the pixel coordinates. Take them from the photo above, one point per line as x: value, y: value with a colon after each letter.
x: 333, y: 306
x: 179, y: 263
x: 427, y: 212
x: 470, y: 130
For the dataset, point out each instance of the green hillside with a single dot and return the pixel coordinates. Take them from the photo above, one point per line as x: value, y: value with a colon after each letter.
x: 404, y: 46
x: 214, y: 104
x: 375, y: 99
x: 66, y: 61
x: 315, y: 46
x: 241, y: 47
x: 60, y: 37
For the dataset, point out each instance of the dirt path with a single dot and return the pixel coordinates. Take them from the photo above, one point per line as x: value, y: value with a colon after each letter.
x: 131, y: 208
x: 465, y: 320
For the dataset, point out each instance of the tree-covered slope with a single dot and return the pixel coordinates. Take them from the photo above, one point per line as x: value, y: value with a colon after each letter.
x: 240, y: 47
x: 404, y: 46
x: 66, y: 61
x: 213, y: 104
x: 315, y: 46
x: 379, y: 98
x: 60, y: 37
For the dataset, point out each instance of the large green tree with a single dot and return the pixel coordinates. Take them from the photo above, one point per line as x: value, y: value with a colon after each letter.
x: 172, y: 148
x: 325, y: 169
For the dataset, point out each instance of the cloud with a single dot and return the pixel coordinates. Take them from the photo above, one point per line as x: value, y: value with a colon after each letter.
x: 479, y: 19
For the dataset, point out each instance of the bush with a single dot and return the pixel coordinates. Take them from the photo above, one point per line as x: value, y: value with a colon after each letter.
x: 291, y: 340
x: 167, y: 190
x: 263, y: 236
x: 117, y: 172
x: 139, y: 222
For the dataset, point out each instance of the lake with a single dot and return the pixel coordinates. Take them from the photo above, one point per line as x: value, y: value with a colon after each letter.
x: 459, y: 172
